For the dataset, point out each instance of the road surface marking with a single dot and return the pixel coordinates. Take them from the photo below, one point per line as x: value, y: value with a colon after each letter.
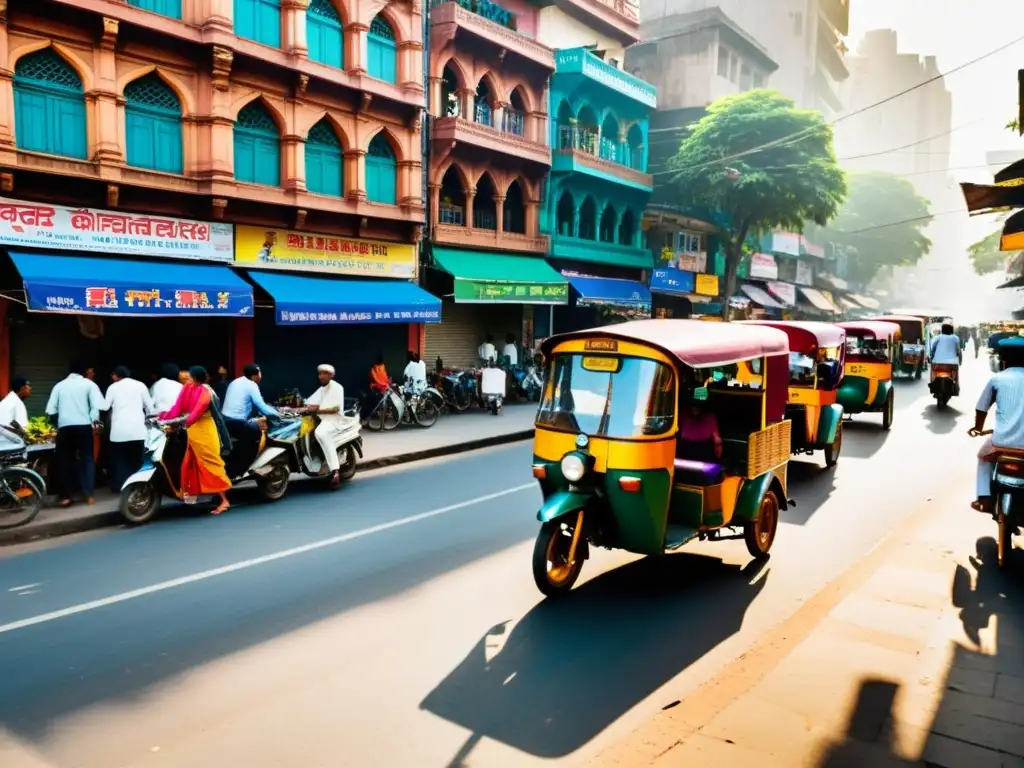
x: 25, y: 586
x: 239, y: 566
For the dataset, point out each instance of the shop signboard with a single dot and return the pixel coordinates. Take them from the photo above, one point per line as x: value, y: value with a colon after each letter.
x: 763, y: 267
x: 487, y: 292
x: 784, y: 292
x: 707, y: 285
x: 804, y: 273
x: 39, y: 225
x: 396, y: 313
x: 264, y: 248
x: 786, y: 242
x: 126, y: 300
x: 672, y: 281
x: 691, y: 261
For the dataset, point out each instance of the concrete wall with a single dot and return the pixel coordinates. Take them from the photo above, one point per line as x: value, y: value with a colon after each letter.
x: 556, y: 29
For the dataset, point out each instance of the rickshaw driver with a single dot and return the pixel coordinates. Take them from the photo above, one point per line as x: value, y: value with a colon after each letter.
x: 1006, y: 391
x: 699, y: 438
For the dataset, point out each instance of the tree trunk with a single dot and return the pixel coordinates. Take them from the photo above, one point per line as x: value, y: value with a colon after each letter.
x: 733, y: 256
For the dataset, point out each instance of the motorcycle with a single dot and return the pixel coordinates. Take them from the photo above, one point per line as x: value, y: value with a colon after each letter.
x: 492, y: 387
x: 458, y: 388
x: 945, y: 383
x: 294, y: 438
x: 1008, y: 493
x: 160, y: 473
x: 22, y: 489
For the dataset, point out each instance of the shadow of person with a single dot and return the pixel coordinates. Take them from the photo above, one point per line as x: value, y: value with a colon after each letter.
x: 867, y: 741
x: 941, y: 421
x: 569, y: 668
x: 988, y: 596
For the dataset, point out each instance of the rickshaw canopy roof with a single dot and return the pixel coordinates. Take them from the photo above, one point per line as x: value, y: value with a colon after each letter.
x: 918, y: 322
x: 923, y: 314
x: 692, y: 342
x: 878, y: 328
x: 803, y: 334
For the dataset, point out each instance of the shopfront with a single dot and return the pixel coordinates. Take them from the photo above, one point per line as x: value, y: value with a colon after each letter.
x: 489, y: 294
x: 110, y: 288
x: 329, y: 299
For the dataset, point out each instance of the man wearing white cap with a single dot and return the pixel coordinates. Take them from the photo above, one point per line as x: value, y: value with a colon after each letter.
x: 328, y: 402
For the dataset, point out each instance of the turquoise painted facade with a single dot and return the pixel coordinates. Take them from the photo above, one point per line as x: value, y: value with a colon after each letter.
x: 599, y: 186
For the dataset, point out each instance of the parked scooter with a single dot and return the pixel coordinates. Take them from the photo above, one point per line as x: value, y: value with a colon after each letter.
x: 492, y: 388
x: 160, y: 474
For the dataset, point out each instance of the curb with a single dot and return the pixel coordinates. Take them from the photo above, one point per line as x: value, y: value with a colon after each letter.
x: 109, y: 518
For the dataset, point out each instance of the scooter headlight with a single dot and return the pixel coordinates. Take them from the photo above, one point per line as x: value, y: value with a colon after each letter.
x: 573, y: 468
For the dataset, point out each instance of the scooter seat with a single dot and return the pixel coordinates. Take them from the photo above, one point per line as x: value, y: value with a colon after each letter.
x: 698, y: 472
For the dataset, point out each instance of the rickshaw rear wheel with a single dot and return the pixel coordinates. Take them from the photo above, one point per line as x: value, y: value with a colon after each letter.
x: 832, y: 450
x: 552, y: 571
x: 759, y: 534
x: 887, y: 414
x: 918, y: 372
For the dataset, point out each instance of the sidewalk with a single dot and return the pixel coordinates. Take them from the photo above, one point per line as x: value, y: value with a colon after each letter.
x: 453, y: 433
x: 913, y: 657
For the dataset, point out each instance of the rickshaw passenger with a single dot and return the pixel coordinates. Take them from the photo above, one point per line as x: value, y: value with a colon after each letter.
x: 699, y: 438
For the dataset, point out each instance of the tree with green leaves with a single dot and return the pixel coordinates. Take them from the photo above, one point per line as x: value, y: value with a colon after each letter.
x: 763, y: 163
x: 881, y: 224
x: 986, y: 257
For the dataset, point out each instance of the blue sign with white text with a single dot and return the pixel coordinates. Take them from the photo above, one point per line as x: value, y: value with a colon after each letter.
x: 670, y: 280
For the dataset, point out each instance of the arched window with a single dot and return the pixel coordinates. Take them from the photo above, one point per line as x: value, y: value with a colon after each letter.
x: 586, y: 130
x: 514, y: 215
x: 324, y: 35
x: 152, y: 119
x: 49, y: 105
x: 257, y: 146
x: 514, y: 117
x: 588, y: 220
x: 452, y: 209
x: 483, y: 110
x: 381, y: 172
x: 170, y: 8
x: 565, y: 214
x: 610, y: 139
x: 381, y: 52
x: 324, y: 158
x: 485, y: 212
x: 635, y: 148
x: 627, y: 228
x: 450, y: 94
x: 259, y: 20
x: 565, y: 126
x: 608, y: 221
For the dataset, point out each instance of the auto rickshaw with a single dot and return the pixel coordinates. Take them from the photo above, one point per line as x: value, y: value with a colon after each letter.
x: 621, y: 404
x: 913, y: 334
x: 932, y: 319
x: 817, y: 352
x: 872, y: 348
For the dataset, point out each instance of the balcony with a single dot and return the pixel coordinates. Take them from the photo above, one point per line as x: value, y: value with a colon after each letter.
x: 579, y: 63
x: 489, y: 239
x: 831, y: 50
x: 491, y: 23
x: 512, y: 141
x: 582, y: 151
x: 579, y: 249
x: 838, y: 14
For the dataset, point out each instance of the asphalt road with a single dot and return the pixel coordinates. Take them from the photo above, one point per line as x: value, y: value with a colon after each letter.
x: 395, y: 622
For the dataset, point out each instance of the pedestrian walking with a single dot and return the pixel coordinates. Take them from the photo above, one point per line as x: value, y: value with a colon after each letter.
x: 129, y: 403
x: 75, y: 405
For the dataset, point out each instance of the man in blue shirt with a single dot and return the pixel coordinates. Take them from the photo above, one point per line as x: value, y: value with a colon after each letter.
x: 242, y: 399
x: 74, y: 406
x: 1006, y: 391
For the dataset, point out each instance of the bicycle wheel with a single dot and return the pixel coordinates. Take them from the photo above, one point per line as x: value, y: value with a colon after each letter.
x: 20, y: 498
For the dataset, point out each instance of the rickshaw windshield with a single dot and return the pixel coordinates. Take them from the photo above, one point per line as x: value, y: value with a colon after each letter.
x: 609, y: 396
x: 801, y: 369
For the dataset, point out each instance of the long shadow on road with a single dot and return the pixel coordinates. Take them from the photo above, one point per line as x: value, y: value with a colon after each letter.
x: 571, y: 667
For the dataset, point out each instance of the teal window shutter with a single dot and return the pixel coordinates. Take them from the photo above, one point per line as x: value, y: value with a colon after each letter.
x: 324, y: 34
x: 49, y: 105
x: 170, y: 8
x: 153, y: 125
x: 381, y: 52
x: 324, y: 160
x: 381, y: 172
x: 259, y: 20
x: 257, y: 146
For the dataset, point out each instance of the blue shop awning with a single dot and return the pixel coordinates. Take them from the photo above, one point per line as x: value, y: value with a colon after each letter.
x: 322, y: 301
x: 118, y: 287
x: 605, y: 290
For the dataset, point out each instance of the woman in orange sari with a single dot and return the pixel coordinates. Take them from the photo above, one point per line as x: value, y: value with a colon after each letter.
x: 202, y: 469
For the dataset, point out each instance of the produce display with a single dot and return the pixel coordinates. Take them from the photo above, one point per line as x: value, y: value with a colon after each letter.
x: 40, y: 430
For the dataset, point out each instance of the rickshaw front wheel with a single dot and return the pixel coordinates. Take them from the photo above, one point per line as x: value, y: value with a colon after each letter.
x: 552, y: 571
x: 887, y: 414
x: 759, y: 534
x: 832, y: 450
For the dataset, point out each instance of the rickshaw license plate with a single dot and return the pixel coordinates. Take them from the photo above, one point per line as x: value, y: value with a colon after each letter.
x: 601, y: 345
x: 601, y: 364
x: 857, y: 369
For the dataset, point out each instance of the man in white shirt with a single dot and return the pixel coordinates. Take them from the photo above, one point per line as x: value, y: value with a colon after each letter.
x: 1005, y: 390
x: 328, y: 402
x: 13, y: 413
x: 129, y: 403
x: 945, y: 348
x: 415, y: 373
x: 511, y: 351
x: 75, y: 406
x: 166, y: 389
x: 486, y: 351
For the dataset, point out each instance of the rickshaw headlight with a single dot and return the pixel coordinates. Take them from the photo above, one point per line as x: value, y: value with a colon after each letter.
x: 573, y: 468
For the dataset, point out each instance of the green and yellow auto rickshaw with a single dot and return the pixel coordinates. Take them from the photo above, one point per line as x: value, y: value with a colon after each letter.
x: 817, y: 352
x: 872, y: 348
x: 913, y: 334
x: 625, y: 448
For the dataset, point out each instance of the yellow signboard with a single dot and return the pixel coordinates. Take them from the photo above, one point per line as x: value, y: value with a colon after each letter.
x: 265, y: 248
x: 601, y: 364
x: 707, y: 285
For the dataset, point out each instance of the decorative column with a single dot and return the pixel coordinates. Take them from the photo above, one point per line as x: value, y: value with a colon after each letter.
x: 293, y: 18
x: 434, y: 191
x: 436, y: 107
x: 217, y: 130
x: 355, y: 47
x: 410, y: 65
x: 355, y: 174
x: 470, y: 194
x: 466, y: 103
x: 104, y: 132
x: 498, y: 114
x: 532, y: 214
x: 499, y: 213
x: 294, y: 176
x: 6, y: 89
x: 212, y: 14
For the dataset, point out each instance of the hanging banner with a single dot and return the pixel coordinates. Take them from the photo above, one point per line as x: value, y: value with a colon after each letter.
x: 804, y: 273
x: 784, y: 292
x: 487, y: 292
x: 262, y: 248
x: 763, y: 267
x: 38, y: 225
x: 707, y: 285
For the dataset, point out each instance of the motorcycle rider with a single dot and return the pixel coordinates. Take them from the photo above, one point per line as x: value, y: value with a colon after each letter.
x: 945, y: 349
x: 1006, y: 391
x: 242, y: 398
x: 328, y: 402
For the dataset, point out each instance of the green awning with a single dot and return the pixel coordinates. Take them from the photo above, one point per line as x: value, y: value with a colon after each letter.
x: 484, y: 278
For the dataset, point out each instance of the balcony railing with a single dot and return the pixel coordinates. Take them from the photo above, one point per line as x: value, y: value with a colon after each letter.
x: 577, y: 139
x: 486, y: 10
x: 513, y: 121
x: 482, y: 114
x: 451, y: 214
x: 485, y: 220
